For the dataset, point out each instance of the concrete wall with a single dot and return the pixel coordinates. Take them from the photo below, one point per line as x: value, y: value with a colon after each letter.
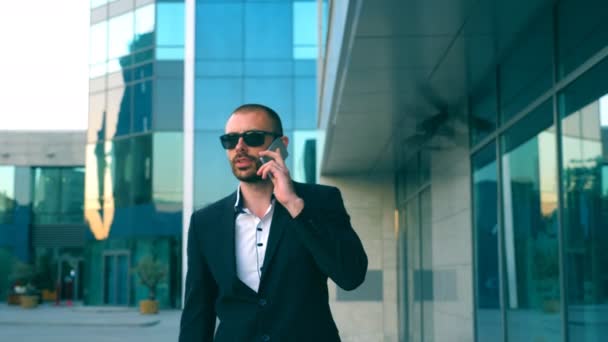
x: 36, y: 148
x: 369, y: 313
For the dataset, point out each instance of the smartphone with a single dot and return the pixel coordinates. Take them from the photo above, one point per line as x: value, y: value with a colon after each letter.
x: 277, y: 143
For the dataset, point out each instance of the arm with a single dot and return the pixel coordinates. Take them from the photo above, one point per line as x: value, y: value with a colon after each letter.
x: 198, y: 317
x: 334, y: 245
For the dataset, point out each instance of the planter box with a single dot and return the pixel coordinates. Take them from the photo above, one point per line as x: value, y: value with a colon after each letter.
x: 49, y: 296
x: 13, y: 299
x: 148, y: 307
x: 28, y: 302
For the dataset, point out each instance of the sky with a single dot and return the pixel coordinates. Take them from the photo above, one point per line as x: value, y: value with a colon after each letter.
x: 44, y: 64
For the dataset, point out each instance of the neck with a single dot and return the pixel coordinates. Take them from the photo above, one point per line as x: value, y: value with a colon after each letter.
x: 256, y: 196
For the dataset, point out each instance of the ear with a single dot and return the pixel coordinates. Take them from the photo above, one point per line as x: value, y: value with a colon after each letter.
x: 285, y: 140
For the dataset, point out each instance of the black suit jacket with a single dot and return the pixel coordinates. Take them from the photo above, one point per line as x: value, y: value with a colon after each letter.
x: 292, y: 299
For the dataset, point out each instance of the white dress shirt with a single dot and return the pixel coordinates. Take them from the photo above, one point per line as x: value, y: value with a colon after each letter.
x: 251, y: 238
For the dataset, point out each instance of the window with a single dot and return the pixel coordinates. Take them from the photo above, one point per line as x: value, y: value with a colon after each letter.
x: 7, y: 194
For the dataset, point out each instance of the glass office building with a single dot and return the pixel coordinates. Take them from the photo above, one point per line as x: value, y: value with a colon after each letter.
x: 138, y: 147
x: 497, y: 116
x: 41, y: 212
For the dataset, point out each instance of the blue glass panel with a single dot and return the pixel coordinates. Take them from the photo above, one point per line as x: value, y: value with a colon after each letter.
x: 305, y: 16
x: 142, y: 106
x: 276, y: 93
x: 213, y: 178
x: 306, y: 103
x: 268, y: 28
x: 305, y: 52
x: 167, y: 182
x: 144, y: 27
x: 98, y: 48
x: 169, y: 104
x: 219, y: 31
x: 143, y: 71
x: 170, y: 53
x: 219, y: 68
x: 170, y: 24
x: 215, y: 100
x: 120, y: 35
x: 305, y: 68
x: 268, y: 68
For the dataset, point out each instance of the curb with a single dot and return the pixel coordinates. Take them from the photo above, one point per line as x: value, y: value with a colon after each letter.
x: 80, y: 324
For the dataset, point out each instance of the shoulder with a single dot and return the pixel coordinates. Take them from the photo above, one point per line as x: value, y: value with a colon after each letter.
x: 315, y: 190
x: 214, y: 209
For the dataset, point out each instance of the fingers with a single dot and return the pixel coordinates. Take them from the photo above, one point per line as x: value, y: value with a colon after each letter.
x: 272, y: 168
x: 275, y: 155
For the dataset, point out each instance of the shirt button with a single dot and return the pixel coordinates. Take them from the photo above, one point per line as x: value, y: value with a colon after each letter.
x: 265, y: 338
x: 262, y: 302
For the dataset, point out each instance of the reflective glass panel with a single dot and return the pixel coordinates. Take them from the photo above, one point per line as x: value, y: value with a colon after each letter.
x: 582, y: 30
x: 97, y: 109
x: 215, y: 100
x: 7, y: 193
x: 97, y: 3
x: 305, y: 29
x: 219, y: 31
x: 530, y: 228
x: 118, y: 115
x: 98, y: 47
x: 142, y: 106
x: 277, y: 93
x: 170, y: 24
x: 213, y: 178
x: 120, y: 35
x: 306, y: 103
x: 169, y: 105
x: 167, y: 183
x: 584, y: 113
x: 268, y: 30
x: 485, y: 220
x: 144, y: 27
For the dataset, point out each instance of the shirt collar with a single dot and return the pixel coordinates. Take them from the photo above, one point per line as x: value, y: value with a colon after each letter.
x: 238, y: 205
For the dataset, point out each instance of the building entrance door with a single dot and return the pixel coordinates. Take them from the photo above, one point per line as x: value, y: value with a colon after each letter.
x: 116, y: 277
x: 70, y: 277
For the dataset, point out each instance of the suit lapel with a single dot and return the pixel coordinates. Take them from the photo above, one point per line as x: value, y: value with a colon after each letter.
x: 226, y: 239
x: 280, y: 219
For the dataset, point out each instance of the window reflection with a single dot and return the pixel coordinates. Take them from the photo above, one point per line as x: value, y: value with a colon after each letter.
x: 266, y: 25
x: 120, y: 35
x: 305, y: 30
x: 167, y: 183
x: 487, y: 279
x: 584, y: 112
x: 530, y: 228
x: 57, y: 195
x: 171, y: 24
x: 219, y: 31
x: 7, y: 193
x: 144, y: 26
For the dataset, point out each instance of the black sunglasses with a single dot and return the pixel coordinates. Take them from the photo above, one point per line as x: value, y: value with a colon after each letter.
x: 251, y: 138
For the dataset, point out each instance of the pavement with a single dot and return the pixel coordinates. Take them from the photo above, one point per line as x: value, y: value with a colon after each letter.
x: 83, y: 316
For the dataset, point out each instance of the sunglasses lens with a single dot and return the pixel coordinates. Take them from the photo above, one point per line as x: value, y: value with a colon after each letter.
x: 229, y: 141
x: 254, y: 139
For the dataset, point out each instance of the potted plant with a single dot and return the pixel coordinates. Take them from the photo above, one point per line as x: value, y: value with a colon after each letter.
x: 23, y: 275
x: 150, y: 272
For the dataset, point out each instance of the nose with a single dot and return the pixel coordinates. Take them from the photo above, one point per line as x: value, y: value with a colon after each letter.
x: 240, y: 145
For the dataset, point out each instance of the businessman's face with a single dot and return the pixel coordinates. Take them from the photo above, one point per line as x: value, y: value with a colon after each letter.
x: 244, y: 159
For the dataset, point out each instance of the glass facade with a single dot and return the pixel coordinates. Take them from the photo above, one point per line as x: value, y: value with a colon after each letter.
x: 263, y: 52
x: 133, y: 182
x: 538, y: 181
x: 252, y: 52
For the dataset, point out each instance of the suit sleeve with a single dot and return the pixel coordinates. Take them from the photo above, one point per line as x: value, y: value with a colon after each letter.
x: 198, y: 317
x: 327, y: 233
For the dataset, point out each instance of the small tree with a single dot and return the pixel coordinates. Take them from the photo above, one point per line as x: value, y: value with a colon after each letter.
x: 150, y: 272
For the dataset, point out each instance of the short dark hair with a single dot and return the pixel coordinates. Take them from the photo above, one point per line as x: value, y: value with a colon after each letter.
x: 254, y: 107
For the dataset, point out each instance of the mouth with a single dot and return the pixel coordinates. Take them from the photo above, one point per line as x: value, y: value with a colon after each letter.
x: 243, y: 161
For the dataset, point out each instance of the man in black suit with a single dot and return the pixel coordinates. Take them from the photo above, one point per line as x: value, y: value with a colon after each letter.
x: 259, y: 259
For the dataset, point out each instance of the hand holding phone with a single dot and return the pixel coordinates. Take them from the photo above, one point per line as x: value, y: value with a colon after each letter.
x: 277, y: 143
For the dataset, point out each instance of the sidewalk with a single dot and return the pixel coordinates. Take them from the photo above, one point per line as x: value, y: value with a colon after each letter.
x: 83, y: 316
